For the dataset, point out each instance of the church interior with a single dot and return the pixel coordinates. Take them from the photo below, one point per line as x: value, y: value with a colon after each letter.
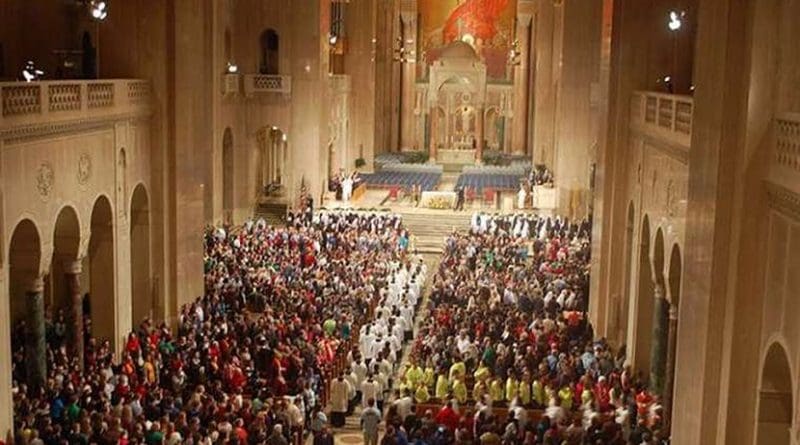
x: 399, y: 221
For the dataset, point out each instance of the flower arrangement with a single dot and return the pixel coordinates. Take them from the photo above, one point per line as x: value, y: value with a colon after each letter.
x: 440, y: 203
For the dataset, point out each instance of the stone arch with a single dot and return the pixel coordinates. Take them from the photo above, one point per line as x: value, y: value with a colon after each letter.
x: 642, y: 335
x: 101, y: 301
x: 66, y: 250
x: 227, y: 175
x: 270, y: 52
x: 26, y: 301
x: 143, y: 303
x: 775, y: 401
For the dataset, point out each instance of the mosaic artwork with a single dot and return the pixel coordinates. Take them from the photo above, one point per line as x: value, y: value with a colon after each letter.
x: 487, y: 25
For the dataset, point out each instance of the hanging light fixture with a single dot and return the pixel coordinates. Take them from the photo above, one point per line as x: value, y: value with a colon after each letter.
x: 675, y: 21
x: 98, y: 9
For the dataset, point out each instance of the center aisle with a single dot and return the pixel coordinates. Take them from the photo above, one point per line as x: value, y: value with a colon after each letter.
x: 351, y: 432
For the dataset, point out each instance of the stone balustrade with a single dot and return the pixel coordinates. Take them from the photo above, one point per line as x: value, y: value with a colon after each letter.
x: 32, y: 103
x: 785, y: 162
x: 267, y: 83
x: 667, y: 117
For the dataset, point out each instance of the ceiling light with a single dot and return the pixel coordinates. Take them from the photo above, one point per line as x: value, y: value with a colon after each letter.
x: 675, y: 20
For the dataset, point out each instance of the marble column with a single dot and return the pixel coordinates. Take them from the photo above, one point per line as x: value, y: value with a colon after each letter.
x: 35, y: 346
x: 669, y: 380
x: 520, y: 122
x: 658, y: 349
x: 479, y: 136
x: 434, y: 129
x: 73, y: 272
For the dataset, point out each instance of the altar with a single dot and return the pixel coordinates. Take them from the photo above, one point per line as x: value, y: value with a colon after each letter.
x: 466, y: 157
x: 459, y: 111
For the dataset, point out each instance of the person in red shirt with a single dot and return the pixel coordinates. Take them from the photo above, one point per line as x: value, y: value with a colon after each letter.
x: 447, y: 417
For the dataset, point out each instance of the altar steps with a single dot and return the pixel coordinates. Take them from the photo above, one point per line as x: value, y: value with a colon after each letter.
x: 431, y: 228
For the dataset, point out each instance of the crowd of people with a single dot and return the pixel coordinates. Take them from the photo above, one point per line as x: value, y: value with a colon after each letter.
x: 508, y: 353
x: 246, y: 363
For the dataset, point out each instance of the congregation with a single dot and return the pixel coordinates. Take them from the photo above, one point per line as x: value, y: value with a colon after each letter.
x: 507, y: 354
x: 248, y: 362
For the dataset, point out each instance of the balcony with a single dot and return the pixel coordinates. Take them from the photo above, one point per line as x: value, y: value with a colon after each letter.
x: 32, y: 103
x: 785, y: 162
x: 667, y: 117
x: 266, y: 84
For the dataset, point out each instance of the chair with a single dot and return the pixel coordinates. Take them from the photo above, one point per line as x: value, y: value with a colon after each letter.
x: 394, y: 192
x: 488, y: 195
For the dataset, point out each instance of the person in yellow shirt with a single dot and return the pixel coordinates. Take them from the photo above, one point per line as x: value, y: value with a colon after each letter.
x: 422, y: 395
x: 458, y: 369
x: 429, y: 375
x: 482, y: 373
x: 511, y: 387
x: 524, y: 390
x: 413, y: 375
x: 566, y: 395
x: 549, y: 395
x: 442, y: 387
x: 538, y: 394
x: 496, y: 391
x: 478, y: 390
x: 460, y: 391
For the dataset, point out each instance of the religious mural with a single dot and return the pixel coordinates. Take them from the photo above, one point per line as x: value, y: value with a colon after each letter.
x: 487, y: 25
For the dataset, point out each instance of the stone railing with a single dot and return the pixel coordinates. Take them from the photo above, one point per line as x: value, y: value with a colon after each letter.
x: 264, y: 83
x: 31, y: 103
x: 785, y: 162
x: 664, y: 116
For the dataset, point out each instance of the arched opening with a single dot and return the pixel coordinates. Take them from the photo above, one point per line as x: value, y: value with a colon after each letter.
x: 643, y: 332
x: 624, y: 301
x: 101, y: 301
x: 27, y: 305
x: 227, y: 175
x: 775, y: 405
x: 142, y: 296
x: 270, y: 52
x: 65, y: 297
x: 658, y: 351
